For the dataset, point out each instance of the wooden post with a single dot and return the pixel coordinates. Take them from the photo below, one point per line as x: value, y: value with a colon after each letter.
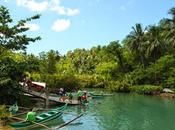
x: 47, y: 97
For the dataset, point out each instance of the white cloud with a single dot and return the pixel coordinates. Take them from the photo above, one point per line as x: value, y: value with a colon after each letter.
x: 127, y: 5
x: 33, y: 5
x: 52, y: 5
x: 21, y: 2
x: 123, y: 8
x: 61, y: 25
x: 55, y: 2
x: 32, y: 26
x: 72, y: 12
x: 6, y: 1
x: 56, y: 7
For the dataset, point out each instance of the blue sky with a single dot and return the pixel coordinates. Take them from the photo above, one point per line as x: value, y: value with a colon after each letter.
x: 69, y: 24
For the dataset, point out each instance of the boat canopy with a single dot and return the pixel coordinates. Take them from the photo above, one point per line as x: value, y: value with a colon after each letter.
x: 37, y: 85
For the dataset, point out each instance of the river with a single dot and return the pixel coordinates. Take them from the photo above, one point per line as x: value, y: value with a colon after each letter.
x: 121, y: 112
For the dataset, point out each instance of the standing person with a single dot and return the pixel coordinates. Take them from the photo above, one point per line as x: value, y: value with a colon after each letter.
x: 13, y: 109
x: 79, y: 94
x: 62, y: 94
x: 31, y: 116
x: 29, y: 84
x: 61, y: 91
x: 70, y: 96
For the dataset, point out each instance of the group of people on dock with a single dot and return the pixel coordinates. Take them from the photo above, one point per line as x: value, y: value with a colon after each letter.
x: 81, y: 95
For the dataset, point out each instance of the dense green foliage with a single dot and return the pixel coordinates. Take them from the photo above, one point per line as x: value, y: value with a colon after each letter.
x: 12, y: 38
x: 143, y: 62
x: 3, y: 112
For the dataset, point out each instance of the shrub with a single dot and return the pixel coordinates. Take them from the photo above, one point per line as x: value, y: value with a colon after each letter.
x: 120, y: 86
x: 147, y: 89
x: 3, y: 114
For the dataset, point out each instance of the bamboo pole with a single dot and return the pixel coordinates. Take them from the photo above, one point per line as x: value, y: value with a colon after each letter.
x: 64, y: 124
x: 32, y: 122
x: 27, y: 108
x: 19, y: 114
x: 37, y: 109
x: 19, y: 107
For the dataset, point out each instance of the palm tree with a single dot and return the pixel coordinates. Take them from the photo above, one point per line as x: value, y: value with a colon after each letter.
x: 169, y: 30
x: 155, y: 44
x: 115, y: 49
x: 136, y: 42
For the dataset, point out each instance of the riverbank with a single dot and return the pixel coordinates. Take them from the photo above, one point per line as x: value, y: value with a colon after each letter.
x: 167, y: 95
x: 6, y: 128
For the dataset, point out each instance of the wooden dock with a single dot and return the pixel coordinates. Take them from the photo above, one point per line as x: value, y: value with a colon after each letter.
x: 51, y: 98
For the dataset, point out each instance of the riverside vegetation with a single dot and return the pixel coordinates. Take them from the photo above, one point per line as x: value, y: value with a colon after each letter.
x: 144, y: 62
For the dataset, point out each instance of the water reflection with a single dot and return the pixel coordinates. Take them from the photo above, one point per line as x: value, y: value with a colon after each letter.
x: 134, y: 112
x: 121, y: 112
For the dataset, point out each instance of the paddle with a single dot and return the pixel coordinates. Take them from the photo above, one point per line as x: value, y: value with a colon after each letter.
x: 64, y: 124
x: 32, y: 122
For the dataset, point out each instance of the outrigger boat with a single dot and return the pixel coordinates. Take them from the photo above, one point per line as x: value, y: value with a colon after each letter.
x: 100, y: 95
x: 73, y: 102
x: 41, y: 118
x: 69, y: 102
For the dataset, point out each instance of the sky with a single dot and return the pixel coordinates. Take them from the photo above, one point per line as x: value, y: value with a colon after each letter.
x: 69, y: 24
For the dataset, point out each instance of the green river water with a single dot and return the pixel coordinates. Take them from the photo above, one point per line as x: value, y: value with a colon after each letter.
x: 121, y: 112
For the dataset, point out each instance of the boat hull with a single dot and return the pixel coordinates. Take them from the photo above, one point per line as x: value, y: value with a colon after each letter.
x: 50, y: 115
x: 99, y: 95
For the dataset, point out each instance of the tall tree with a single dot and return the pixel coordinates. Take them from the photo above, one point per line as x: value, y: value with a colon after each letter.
x: 136, y: 42
x: 116, y: 50
x: 155, y: 43
x: 12, y: 38
x: 48, y: 61
x: 169, y: 29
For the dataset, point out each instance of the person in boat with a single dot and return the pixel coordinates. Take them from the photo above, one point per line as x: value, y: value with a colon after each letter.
x: 102, y: 93
x: 31, y: 116
x: 84, y: 97
x: 61, y: 91
x: 62, y: 94
x: 13, y: 109
x: 70, y: 96
x: 79, y: 95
